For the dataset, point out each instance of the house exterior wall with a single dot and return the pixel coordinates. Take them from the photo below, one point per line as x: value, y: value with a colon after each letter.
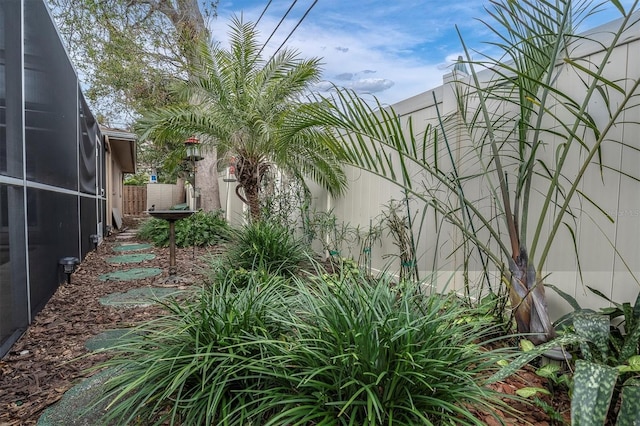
x: 117, y: 183
x: 609, y: 251
x: 50, y: 192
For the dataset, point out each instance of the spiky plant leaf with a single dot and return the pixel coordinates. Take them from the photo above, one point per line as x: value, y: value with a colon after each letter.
x: 527, y: 357
x: 592, y: 390
x: 629, y: 414
x: 504, y: 126
x: 631, y: 343
x: 593, y: 328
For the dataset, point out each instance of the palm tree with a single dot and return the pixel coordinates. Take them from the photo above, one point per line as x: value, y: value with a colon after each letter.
x: 510, y: 124
x: 240, y: 103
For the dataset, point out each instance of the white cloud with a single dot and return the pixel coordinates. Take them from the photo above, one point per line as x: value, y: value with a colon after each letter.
x: 408, y: 44
x: 371, y: 85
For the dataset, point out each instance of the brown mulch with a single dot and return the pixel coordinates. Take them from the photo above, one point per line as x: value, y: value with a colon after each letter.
x: 51, y: 357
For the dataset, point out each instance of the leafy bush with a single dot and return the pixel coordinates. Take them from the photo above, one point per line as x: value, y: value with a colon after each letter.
x: 606, y: 380
x: 610, y: 355
x: 348, y: 353
x: 264, y: 246
x: 199, y: 365
x: 368, y: 354
x: 200, y: 229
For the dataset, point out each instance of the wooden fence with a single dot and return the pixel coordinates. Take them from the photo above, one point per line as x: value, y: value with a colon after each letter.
x: 134, y: 200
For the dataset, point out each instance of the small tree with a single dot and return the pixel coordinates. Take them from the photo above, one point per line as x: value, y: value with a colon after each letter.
x: 240, y: 103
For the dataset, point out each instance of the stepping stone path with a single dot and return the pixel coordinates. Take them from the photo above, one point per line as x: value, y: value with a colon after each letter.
x: 107, y: 339
x: 139, y: 297
x: 77, y: 405
x: 126, y: 235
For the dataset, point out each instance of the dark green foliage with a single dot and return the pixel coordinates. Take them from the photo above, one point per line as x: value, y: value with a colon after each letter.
x: 369, y: 354
x: 629, y: 414
x: 199, y: 365
x: 339, y: 353
x: 609, y: 364
x: 200, y: 229
x: 137, y: 180
x: 265, y: 246
x: 592, y: 390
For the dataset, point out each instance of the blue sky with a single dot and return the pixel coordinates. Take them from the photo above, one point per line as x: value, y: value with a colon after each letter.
x: 392, y: 48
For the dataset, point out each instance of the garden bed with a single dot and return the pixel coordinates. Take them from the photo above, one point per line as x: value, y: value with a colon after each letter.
x: 51, y: 356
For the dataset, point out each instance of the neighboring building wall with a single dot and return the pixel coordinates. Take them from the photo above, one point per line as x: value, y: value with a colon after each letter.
x: 163, y: 195
x: 117, y: 183
x: 602, y: 266
x: 50, y: 163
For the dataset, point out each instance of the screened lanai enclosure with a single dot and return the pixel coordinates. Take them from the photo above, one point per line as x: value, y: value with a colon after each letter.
x: 52, y: 196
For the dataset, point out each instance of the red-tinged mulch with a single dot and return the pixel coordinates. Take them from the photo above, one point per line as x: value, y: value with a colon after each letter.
x: 50, y: 357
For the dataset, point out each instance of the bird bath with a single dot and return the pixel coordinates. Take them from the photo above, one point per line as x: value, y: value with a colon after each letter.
x: 171, y: 216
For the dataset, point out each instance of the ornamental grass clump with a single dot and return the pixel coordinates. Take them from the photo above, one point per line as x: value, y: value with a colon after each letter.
x: 371, y: 354
x: 199, y: 365
x: 265, y: 246
x: 305, y: 352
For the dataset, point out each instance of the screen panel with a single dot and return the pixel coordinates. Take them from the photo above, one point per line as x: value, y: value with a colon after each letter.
x: 88, y: 223
x: 51, y: 103
x: 13, y: 278
x: 10, y: 90
x: 53, y: 227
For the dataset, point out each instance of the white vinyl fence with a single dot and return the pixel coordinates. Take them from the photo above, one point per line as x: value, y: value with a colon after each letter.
x: 609, y: 251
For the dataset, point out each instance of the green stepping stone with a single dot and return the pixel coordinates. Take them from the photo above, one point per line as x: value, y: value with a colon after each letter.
x: 130, y: 274
x: 139, y: 297
x: 107, y: 339
x: 131, y: 258
x: 132, y: 247
x: 78, y: 405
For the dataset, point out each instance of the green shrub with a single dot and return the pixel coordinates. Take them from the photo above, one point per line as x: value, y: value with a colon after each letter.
x: 264, y: 246
x: 339, y: 353
x: 199, y: 365
x: 605, y: 383
x: 368, y: 354
x: 200, y: 229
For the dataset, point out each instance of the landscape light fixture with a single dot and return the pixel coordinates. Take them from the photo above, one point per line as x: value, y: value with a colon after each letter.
x: 193, y: 149
x: 69, y: 265
x: 94, y: 239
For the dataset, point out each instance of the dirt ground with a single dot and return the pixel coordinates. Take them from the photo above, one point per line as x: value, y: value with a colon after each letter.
x: 51, y: 357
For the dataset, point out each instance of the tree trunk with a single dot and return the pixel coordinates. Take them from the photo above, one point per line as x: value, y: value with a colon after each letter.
x: 182, y: 194
x: 207, y: 181
x: 190, y: 27
x: 253, y: 200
